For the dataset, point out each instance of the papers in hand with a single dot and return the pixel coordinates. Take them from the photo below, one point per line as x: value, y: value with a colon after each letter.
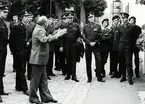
x: 61, y: 32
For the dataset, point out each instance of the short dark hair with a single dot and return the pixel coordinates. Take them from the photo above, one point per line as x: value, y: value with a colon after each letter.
x: 132, y: 18
x: 106, y: 19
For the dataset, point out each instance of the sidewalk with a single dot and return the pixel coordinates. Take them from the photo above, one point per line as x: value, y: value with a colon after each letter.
x: 70, y: 92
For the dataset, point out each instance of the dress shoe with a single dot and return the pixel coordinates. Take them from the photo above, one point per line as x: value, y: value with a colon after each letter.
x: 130, y: 82
x: 39, y: 102
x: 52, y: 100
x: 123, y: 79
x: 111, y: 73
x: 67, y: 77
x: 48, y: 78
x: 75, y: 79
x: 118, y: 76
x: 89, y: 81
x: 113, y: 76
x: 101, y: 80
x: 26, y: 92
x: 4, y: 93
x: 137, y: 76
x: 1, y: 99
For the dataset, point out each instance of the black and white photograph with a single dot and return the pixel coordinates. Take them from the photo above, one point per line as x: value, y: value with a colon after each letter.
x: 72, y: 52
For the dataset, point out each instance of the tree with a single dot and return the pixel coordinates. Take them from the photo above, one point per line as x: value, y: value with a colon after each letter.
x: 96, y: 6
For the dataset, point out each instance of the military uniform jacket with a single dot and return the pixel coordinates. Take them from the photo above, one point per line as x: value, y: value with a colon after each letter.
x: 73, y: 33
x: 3, y: 36
x: 115, y: 38
x: 92, y: 33
x: 126, y: 34
x: 105, y: 43
x: 17, y: 38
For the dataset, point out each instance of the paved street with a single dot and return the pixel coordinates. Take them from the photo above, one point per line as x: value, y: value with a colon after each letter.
x: 70, y: 92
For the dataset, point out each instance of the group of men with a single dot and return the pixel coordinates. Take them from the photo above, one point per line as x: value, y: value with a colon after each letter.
x: 34, y: 44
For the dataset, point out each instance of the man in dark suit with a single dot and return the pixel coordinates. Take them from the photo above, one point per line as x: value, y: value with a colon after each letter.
x: 39, y: 58
x: 70, y: 46
x: 12, y: 24
x: 3, y: 45
x: 125, y: 57
x: 17, y: 41
x: 135, y: 50
x: 114, y: 54
x: 105, y: 45
x: 92, y: 36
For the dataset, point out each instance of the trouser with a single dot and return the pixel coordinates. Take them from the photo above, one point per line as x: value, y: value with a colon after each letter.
x: 39, y: 81
x: 2, y: 68
x: 1, y: 84
x: 3, y: 61
x: 136, y: 60
x: 71, y: 58
x: 27, y: 65
x: 49, y: 65
x: 125, y: 60
x: 21, y: 83
x: 60, y: 60
x: 88, y: 54
x: 114, y: 61
x: 14, y: 62
x: 104, y: 57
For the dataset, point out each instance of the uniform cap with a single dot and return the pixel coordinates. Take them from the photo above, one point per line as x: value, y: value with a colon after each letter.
x: 3, y: 7
x: 115, y: 17
x: 123, y: 14
x: 63, y: 16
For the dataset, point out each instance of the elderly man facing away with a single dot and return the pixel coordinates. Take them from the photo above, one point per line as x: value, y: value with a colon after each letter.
x: 38, y: 58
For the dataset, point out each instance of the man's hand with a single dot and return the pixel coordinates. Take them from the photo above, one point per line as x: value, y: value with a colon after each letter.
x: 92, y: 44
x: 61, y: 32
x: 28, y: 43
x: 61, y: 49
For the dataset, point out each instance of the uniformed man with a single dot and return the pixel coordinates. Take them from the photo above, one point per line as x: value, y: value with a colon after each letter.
x: 125, y: 59
x: 49, y: 66
x: 29, y: 30
x: 114, y: 54
x: 12, y: 24
x: 92, y: 36
x: 61, y: 53
x: 70, y: 47
x: 105, y: 45
x: 3, y: 45
x: 135, y: 50
x: 17, y: 41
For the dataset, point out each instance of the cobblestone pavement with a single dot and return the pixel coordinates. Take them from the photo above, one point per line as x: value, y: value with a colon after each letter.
x: 70, y: 92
